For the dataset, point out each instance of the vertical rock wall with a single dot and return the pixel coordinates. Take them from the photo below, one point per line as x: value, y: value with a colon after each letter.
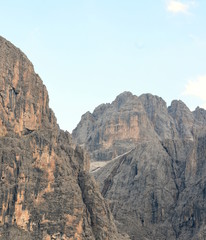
x: 45, y: 188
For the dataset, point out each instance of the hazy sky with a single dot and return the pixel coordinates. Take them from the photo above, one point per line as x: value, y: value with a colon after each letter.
x: 87, y: 52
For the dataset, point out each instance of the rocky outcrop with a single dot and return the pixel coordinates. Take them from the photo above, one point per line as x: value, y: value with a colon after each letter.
x: 156, y: 183
x: 46, y: 191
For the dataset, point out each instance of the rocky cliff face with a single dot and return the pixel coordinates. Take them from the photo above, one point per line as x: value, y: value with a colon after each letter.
x: 45, y: 189
x: 113, y: 129
x: 156, y: 187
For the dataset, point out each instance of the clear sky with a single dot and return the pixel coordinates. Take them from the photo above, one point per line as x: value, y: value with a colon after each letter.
x: 89, y: 51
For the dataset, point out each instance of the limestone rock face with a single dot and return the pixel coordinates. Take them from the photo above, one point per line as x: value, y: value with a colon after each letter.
x: 46, y: 191
x: 113, y: 129
x: 156, y: 186
x: 23, y: 98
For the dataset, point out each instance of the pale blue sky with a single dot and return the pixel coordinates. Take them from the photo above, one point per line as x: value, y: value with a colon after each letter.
x: 87, y: 52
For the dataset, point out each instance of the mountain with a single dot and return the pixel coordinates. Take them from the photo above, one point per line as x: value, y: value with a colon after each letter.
x: 150, y: 164
x: 113, y: 129
x: 46, y: 191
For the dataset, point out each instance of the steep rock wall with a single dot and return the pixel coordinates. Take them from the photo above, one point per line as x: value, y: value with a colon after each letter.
x: 156, y: 183
x: 45, y: 188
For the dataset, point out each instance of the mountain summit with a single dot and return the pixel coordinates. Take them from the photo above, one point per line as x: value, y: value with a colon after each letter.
x: 150, y: 162
x: 46, y: 191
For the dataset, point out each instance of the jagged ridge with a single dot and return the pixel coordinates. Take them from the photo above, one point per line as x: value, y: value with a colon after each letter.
x: 156, y: 187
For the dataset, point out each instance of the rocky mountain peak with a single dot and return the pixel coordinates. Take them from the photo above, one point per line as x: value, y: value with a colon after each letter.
x: 200, y: 115
x: 153, y: 102
x: 183, y: 118
x: 46, y: 190
x: 123, y: 97
x: 125, y: 100
x: 178, y: 108
x: 150, y: 163
x: 120, y: 125
x: 24, y: 101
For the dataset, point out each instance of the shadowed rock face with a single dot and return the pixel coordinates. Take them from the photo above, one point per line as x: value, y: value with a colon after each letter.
x: 45, y: 189
x: 156, y: 188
